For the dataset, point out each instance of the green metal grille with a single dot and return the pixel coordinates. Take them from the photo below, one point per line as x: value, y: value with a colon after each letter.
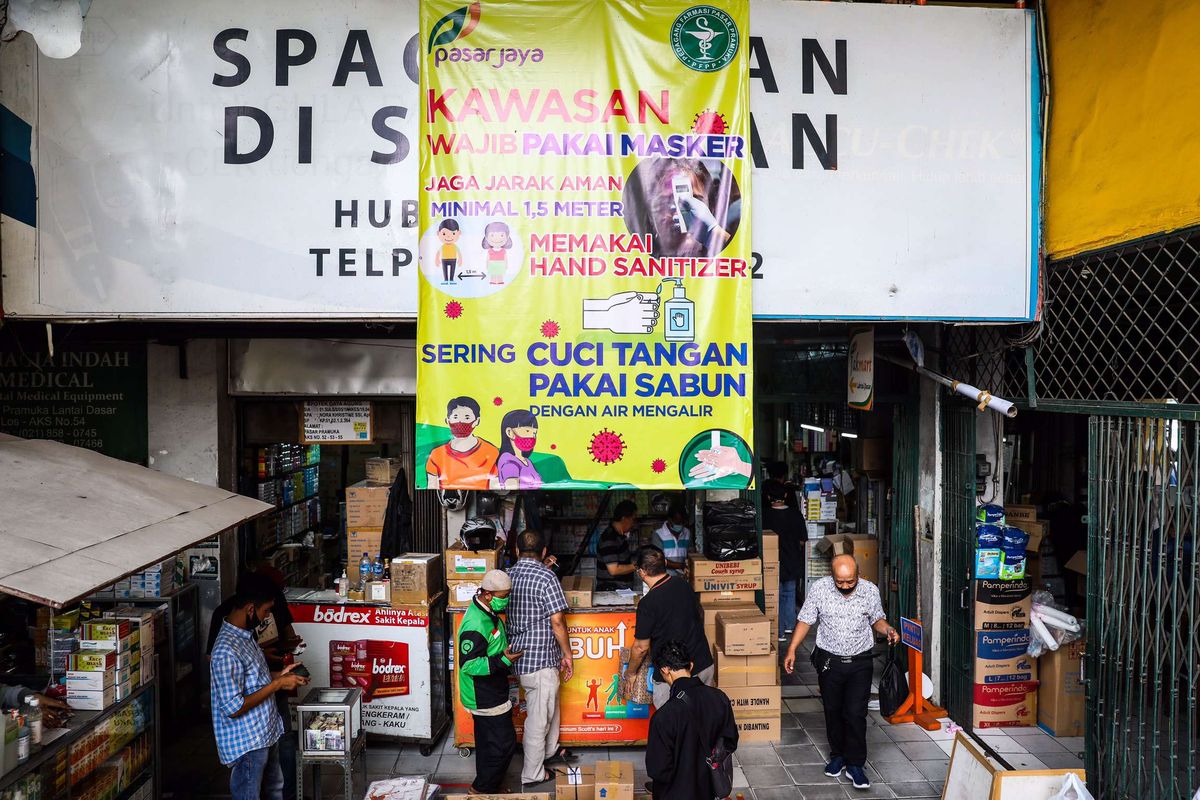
x: 958, y: 551
x: 905, y: 466
x: 1143, y: 657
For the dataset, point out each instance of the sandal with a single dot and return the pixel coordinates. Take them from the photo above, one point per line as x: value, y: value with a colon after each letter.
x: 547, y: 777
x: 561, y: 756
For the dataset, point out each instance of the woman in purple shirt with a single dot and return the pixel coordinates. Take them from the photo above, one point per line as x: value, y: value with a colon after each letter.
x: 518, y: 437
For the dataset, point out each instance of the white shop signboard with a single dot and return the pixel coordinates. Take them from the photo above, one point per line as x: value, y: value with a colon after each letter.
x: 236, y: 160
x: 383, y: 651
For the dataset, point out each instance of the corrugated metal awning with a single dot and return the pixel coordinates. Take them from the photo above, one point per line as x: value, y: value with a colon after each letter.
x: 73, y: 521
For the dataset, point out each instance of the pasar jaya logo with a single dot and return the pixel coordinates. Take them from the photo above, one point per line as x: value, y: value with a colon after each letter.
x: 458, y: 25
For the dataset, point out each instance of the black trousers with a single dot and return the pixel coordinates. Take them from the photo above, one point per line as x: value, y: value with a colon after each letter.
x: 448, y: 265
x: 495, y: 743
x: 845, y: 689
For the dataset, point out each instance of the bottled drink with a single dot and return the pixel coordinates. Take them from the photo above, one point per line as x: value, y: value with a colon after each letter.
x: 379, y: 574
x: 22, y: 739
x: 33, y: 718
x: 365, y: 570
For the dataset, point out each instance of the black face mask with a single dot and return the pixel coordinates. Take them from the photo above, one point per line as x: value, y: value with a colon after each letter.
x: 848, y: 591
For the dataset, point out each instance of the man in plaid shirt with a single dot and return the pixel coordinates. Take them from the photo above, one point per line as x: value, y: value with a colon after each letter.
x: 246, y: 720
x: 537, y: 626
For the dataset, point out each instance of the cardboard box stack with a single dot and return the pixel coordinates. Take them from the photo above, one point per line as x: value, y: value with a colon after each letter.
x: 1005, y: 676
x: 747, y: 669
x: 604, y: 780
x: 464, y: 571
x: 112, y: 648
x: 770, y: 559
x: 150, y: 629
x: 366, y: 505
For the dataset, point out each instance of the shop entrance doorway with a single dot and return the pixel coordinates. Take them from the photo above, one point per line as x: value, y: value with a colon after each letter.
x: 958, y: 555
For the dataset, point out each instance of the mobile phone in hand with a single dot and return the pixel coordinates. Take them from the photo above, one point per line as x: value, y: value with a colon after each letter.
x: 301, y: 670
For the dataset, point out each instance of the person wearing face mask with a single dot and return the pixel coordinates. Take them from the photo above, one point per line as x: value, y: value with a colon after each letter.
x: 466, y: 461
x: 846, y: 610
x: 674, y: 538
x: 614, y: 550
x: 484, y: 664
x: 668, y: 612
x: 518, y: 437
x: 246, y: 721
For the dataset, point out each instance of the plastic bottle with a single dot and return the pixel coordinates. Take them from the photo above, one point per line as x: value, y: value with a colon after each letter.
x: 680, y: 315
x: 365, y: 570
x: 379, y: 568
x: 23, y: 739
x: 33, y: 718
x: 343, y: 584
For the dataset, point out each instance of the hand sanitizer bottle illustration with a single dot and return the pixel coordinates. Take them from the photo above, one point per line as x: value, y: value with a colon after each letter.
x: 680, y: 315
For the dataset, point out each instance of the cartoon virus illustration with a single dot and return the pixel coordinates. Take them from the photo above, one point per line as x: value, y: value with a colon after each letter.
x: 454, y: 309
x: 497, y: 401
x: 607, y: 447
x: 659, y: 466
x: 553, y: 447
x: 709, y: 122
x: 550, y: 329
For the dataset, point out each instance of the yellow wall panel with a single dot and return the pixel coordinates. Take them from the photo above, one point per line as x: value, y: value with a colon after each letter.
x: 1124, y: 141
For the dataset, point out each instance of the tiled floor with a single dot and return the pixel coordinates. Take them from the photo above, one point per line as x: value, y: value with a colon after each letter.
x: 903, y: 761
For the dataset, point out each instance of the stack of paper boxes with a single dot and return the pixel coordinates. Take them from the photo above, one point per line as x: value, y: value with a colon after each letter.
x: 148, y: 624
x: 1005, y: 676
x: 417, y: 579
x: 366, y: 506
x: 465, y: 570
x: 100, y: 673
x: 743, y: 638
x: 770, y: 561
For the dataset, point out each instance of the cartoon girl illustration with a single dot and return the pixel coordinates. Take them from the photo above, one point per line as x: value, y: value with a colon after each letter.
x: 497, y: 241
x: 518, y: 437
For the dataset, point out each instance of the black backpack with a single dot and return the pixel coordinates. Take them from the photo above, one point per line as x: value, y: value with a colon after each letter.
x: 719, y: 760
x: 893, y: 688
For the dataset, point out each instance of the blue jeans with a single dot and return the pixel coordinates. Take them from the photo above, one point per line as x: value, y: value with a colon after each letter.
x: 257, y: 775
x: 787, y: 606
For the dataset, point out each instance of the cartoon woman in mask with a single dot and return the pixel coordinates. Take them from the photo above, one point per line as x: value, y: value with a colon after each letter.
x: 497, y: 241
x: 518, y: 437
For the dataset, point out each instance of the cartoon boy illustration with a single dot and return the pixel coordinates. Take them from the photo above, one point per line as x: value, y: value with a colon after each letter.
x: 497, y: 241
x: 449, y: 256
x: 518, y: 437
x: 466, y: 461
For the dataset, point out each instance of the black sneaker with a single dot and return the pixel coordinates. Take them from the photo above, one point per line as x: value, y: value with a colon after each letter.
x: 834, y: 768
x: 857, y: 777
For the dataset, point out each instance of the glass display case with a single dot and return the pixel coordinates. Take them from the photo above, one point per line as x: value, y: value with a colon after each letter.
x: 329, y: 722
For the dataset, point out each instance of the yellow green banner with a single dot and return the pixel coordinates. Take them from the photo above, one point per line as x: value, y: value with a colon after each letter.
x: 584, y: 316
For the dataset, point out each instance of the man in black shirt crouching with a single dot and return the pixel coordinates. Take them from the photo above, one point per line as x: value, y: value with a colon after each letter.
x: 667, y: 612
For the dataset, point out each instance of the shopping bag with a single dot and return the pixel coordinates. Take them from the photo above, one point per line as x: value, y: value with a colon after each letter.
x: 893, y: 686
x: 1073, y: 789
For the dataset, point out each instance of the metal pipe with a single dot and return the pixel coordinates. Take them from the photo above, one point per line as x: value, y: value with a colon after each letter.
x: 983, y: 397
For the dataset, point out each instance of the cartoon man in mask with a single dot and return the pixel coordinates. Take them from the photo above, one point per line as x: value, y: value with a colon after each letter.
x: 466, y: 461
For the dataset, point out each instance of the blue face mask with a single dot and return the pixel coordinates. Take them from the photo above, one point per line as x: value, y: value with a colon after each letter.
x: 671, y: 526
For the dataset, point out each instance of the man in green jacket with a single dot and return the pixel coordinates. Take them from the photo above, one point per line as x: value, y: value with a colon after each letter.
x: 484, y: 664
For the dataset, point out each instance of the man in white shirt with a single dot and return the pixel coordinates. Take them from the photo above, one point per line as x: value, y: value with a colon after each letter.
x: 846, y: 610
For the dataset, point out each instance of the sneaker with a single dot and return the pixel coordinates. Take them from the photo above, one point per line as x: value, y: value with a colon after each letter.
x: 834, y: 768
x: 857, y: 777
x: 783, y: 637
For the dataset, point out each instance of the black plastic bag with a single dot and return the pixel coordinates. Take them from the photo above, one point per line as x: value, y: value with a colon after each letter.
x: 893, y: 686
x: 730, y: 532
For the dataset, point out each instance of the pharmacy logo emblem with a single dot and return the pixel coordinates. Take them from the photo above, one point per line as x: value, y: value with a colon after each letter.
x: 705, y: 38
x: 456, y: 25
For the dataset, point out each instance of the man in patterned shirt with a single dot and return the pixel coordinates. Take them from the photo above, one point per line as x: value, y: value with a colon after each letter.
x: 537, y: 626
x: 847, y: 609
x: 246, y: 720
